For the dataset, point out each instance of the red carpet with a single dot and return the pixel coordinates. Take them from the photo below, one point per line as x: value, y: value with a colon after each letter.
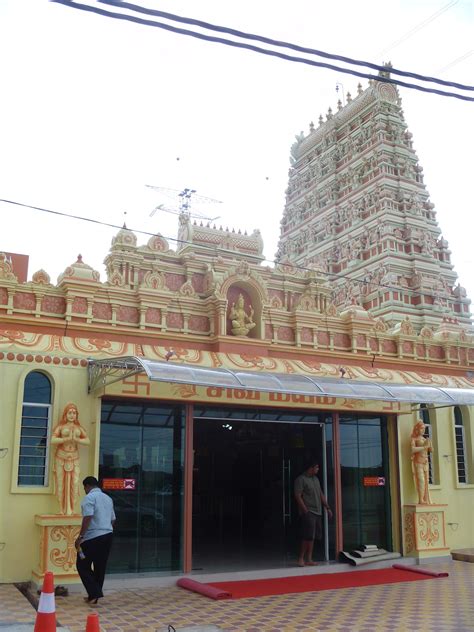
x: 312, y: 583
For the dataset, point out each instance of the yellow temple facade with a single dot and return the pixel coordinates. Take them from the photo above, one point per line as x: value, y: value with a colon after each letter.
x: 196, y: 383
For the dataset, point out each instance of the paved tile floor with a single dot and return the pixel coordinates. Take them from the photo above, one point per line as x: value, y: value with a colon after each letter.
x: 14, y: 608
x: 437, y: 605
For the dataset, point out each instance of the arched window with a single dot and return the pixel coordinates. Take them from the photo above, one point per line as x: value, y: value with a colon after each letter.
x: 459, y: 433
x: 35, y: 428
x: 425, y: 417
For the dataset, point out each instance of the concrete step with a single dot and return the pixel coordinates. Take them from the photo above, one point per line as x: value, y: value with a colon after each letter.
x: 463, y: 555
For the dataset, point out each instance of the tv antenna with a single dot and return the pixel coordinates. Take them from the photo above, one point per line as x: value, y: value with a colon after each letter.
x: 183, y: 199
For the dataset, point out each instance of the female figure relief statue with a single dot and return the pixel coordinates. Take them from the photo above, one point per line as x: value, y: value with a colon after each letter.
x: 242, y: 322
x: 67, y: 436
x: 420, y: 447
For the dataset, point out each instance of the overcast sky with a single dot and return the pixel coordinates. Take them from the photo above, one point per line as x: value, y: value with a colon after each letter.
x: 92, y: 109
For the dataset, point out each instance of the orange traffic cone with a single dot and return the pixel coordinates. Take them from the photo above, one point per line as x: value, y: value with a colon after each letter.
x: 46, y: 615
x: 92, y: 624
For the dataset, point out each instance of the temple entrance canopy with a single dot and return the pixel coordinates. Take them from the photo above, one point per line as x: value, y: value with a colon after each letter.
x: 104, y: 372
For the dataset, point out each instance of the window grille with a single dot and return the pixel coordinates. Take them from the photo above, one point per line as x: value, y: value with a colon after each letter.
x: 35, y: 431
x: 460, y: 445
x: 425, y: 416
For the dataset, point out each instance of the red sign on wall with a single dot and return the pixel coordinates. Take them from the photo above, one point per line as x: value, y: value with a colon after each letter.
x: 119, y: 483
x: 374, y: 481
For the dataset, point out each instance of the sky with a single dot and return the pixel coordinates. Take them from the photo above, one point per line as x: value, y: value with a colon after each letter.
x: 93, y: 109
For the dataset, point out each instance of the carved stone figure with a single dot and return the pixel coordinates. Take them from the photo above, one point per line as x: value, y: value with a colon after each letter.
x: 420, y: 448
x: 242, y: 322
x: 67, y: 436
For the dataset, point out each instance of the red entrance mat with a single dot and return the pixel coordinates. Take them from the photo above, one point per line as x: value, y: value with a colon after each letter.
x: 313, y: 583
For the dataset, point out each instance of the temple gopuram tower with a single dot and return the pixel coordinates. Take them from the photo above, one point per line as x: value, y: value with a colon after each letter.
x: 358, y: 210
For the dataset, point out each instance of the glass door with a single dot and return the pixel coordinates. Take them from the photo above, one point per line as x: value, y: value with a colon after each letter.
x: 244, y: 512
x: 365, y: 481
x: 141, y: 468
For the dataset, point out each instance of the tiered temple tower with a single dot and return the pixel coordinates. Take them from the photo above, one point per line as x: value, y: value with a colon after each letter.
x: 357, y: 209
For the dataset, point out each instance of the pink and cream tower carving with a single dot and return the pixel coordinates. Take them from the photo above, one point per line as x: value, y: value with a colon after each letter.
x: 357, y: 209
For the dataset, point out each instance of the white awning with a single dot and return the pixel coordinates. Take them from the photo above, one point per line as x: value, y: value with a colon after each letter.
x: 103, y: 372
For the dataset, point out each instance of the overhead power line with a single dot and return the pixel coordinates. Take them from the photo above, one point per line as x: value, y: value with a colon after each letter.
x: 458, y: 60
x: 267, y: 40
x: 212, y: 249
x: 419, y: 26
x: 278, y: 54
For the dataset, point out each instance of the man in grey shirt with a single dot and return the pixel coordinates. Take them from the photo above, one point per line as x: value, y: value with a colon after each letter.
x: 310, y: 500
x: 95, y: 538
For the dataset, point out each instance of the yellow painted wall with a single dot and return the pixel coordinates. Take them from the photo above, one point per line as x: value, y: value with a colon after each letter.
x: 19, y: 505
x: 459, y: 498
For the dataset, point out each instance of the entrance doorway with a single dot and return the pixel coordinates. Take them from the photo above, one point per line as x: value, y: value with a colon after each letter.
x: 140, y: 466
x: 245, y: 464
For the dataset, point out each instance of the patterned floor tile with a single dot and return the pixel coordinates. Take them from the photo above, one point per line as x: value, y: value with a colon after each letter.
x: 438, y: 605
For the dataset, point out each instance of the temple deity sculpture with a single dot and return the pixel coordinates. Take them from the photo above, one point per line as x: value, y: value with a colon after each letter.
x: 68, y: 436
x: 242, y: 322
x: 420, y: 448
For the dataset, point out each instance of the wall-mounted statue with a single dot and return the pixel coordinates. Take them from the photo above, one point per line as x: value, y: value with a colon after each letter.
x: 420, y: 448
x: 242, y: 322
x: 68, y: 436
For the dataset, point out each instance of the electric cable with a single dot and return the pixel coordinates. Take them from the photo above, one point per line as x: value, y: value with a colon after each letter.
x: 263, y: 51
x: 282, y: 44
x: 418, y: 27
x: 215, y: 249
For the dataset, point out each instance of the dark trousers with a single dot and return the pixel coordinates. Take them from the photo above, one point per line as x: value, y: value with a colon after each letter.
x: 92, y: 568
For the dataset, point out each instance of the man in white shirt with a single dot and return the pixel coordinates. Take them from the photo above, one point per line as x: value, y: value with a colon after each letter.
x: 95, y: 538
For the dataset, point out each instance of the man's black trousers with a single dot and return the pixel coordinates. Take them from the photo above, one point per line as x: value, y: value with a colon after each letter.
x: 92, y: 568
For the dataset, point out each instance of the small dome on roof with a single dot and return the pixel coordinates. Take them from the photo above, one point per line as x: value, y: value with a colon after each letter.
x: 79, y: 271
x: 124, y: 237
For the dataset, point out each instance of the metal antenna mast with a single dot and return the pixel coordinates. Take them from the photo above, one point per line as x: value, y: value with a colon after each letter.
x: 184, y: 202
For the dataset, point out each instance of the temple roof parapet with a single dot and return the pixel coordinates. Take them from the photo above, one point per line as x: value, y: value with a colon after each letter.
x: 197, y: 237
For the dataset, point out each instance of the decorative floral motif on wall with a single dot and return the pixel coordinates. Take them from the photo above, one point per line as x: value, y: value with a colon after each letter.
x: 199, y: 323
x: 323, y: 338
x: 276, y: 302
x: 198, y: 283
x: 154, y: 281
x: 174, y: 281
x: 127, y: 314
x: 389, y: 346
x: 103, y: 311
x: 409, y: 532
x: 187, y: 289
x: 342, y: 341
x: 116, y: 279
x: 100, y: 344
x: 286, y: 334
x: 65, y: 558
x: 153, y: 315
x: 24, y: 300
x: 184, y: 390
x: 428, y: 530
x: 79, y: 305
x: 174, y: 320
x: 306, y: 334
x: 54, y: 305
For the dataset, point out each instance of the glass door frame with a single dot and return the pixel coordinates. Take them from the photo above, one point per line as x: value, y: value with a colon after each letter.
x: 189, y: 469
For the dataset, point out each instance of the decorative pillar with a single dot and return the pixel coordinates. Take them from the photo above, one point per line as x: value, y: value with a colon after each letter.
x: 56, y: 548
x: 424, y: 531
